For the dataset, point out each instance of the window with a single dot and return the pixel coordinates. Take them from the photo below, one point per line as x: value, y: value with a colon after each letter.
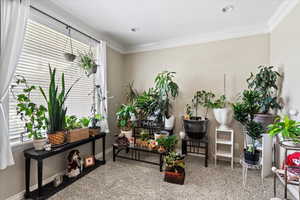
x: 43, y: 46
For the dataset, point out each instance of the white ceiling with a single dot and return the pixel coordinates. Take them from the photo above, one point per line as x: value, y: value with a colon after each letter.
x: 165, y: 20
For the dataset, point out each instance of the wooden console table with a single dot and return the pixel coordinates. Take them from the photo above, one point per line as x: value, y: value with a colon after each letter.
x: 45, y: 191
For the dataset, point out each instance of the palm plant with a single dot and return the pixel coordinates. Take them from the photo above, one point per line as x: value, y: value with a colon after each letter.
x: 55, y: 103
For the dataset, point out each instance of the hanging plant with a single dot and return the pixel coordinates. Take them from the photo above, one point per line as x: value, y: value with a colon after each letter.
x: 87, y: 62
x: 69, y: 56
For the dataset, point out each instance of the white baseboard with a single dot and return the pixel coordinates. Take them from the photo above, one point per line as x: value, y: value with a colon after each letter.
x: 20, y: 195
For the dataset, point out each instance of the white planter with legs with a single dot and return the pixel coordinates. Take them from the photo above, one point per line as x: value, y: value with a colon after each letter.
x: 223, y: 117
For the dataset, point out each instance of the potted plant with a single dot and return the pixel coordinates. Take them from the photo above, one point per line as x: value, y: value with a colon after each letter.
x: 167, y: 143
x: 87, y: 62
x: 95, y: 129
x: 195, y: 126
x: 287, y: 128
x: 33, y: 115
x: 147, y: 105
x: 56, y: 109
x: 265, y: 82
x: 174, y: 171
x: 254, y: 131
x: 222, y: 114
x: 166, y: 89
x: 124, y: 116
x: 77, y: 129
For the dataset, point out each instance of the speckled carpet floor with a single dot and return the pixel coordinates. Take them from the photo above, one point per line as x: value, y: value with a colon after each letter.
x: 130, y: 180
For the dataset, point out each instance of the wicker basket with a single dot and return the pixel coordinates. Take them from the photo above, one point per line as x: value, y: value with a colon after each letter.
x: 57, y: 138
x: 77, y: 135
x: 94, y: 131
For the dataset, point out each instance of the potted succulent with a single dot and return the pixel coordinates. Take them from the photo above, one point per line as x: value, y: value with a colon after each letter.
x: 87, y: 62
x: 287, y: 128
x: 33, y: 115
x: 124, y: 116
x: 166, y: 89
x: 174, y: 171
x: 222, y: 114
x: 56, y: 108
x: 265, y: 82
x: 195, y: 126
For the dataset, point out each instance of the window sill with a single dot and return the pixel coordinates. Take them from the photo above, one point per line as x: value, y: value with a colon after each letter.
x: 21, y: 146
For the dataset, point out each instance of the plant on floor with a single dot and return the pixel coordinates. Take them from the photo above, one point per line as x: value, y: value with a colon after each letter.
x: 124, y: 116
x: 166, y: 89
x: 168, y: 142
x: 204, y: 99
x: 265, y: 82
x: 55, y: 102
x: 33, y: 115
x: 174, y: 162
x: 87, y: 62
x: 289, y: 129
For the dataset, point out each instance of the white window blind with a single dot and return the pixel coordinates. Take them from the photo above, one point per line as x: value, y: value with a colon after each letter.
x: 43, y: 46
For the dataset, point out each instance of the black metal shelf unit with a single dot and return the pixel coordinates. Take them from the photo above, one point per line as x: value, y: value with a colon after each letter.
x: 46, y: 191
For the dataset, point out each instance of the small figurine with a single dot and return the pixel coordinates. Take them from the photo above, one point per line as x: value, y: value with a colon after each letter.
x: 74, y: 164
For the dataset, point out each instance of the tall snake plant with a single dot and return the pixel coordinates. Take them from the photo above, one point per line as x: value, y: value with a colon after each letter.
x: 55, y: 102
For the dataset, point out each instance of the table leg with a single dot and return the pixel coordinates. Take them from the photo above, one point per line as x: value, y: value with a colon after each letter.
x: 206, y: 155
x: 27, y: 176
x: 114, y: 153
x: 103, y: 149
x: 161, y: 162
x: 93, y: 148
x: 274, y: 184
x: 184, y: 147
x: 40, y: 176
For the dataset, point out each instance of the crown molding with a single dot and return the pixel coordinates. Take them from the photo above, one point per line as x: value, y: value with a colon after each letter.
x: 198, y: 39
x: 283, y: 10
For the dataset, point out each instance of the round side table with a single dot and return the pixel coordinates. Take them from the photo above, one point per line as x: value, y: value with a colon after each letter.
x: 247, y: 166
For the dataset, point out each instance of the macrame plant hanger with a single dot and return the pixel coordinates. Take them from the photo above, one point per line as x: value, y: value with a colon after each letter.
x: 69, y: 56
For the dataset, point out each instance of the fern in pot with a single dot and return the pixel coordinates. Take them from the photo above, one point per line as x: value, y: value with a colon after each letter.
x: 33, y: 115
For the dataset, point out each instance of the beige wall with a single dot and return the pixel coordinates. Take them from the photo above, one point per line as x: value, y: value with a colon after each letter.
x: 285, y: 53
x: 12, y: 179
x: 200, y: 67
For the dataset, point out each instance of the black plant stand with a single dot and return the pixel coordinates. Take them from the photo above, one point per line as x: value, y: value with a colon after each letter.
x: 190, y: 145
x: 45, y: 191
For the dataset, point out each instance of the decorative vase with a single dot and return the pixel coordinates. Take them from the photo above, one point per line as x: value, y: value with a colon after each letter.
x: 223, y: 117
x: 169, y: 122
x: 39, y: 144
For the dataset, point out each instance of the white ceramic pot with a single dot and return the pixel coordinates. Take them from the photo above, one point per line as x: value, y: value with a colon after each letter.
x: 127, y: 134
x: 223, y: 117
x: 169, y: 122
x: 39, y: 144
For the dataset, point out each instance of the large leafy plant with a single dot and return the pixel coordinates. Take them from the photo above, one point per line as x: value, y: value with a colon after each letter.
x: 32, y: 114
x: 166, y: 89
x: 289, y: 129
x: 265, y: 83
x: 124, y: 116
x: 55, y: 103
x: 147, y: 104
